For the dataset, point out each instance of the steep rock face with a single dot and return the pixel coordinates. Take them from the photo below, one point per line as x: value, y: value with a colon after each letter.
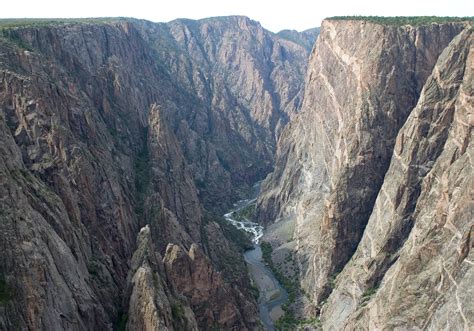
x: 109, y: 126
x: 176, y: 217
x: 95, y: 145
x: 171, y: 197
x: 363, y: 80
x: 153, y: 305
x: 416, y: 250
x: 44, y: 278
x: 211, y: 300
x: 262, y: 72
x: 76, y: 178
x: 305, y: 38
x: 245, y: 83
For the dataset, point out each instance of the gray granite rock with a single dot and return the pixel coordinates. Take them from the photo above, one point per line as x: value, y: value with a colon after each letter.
x: 364, y: 80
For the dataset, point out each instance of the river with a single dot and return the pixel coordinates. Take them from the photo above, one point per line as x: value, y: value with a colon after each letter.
x: 272, y: 294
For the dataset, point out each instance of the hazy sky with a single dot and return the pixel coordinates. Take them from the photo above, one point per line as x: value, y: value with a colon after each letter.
x: 274, y: 15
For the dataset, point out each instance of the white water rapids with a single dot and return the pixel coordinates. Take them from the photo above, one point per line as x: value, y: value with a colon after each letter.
x: 272, y: 294
x: 255, y: 229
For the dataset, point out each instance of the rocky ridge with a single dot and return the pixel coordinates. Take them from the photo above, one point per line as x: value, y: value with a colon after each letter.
x: 370, y: 172
x: 104, y: 132
x: 246, y: 83
x: 418, y: 237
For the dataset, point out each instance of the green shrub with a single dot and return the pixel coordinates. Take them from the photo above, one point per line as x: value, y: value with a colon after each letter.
x: 332, y: 280
x: 142, y: 175
x: 404, y: 20
x: 9, y: 23
x: 247, y: 213
x: 14, y: 39
x: 369, y: 292
x: 239, y: 237
x: 6, y: 292
x: 122, y: 321
x: 267, y: 252
x: 288, y: 320
x: 93, y: 267
x: 156, y: 282
x: 255, y: 292
x: 177, y: 311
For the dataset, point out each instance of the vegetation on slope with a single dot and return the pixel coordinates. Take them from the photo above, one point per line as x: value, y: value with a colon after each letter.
x: 142, y: 176
x: 245, y: 214
x: 230, y: 263
x: 405, y: 20
x: 9, y: 23
x: 288, y: 321
x: 239, y: 237
x: 8, y: 26
x: 13, y: 39
x: 6, y: 292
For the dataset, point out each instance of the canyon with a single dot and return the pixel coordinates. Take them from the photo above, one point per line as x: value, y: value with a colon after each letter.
x: 125, y: 143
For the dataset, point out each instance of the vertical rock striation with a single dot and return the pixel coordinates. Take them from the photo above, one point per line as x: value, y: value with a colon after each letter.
x: 363, y: 81
x: 115, y: 125
x: 245, y: 83
x: 414, y: 263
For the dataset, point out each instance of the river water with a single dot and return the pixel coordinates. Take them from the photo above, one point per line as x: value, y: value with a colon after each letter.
x: 272, y: 294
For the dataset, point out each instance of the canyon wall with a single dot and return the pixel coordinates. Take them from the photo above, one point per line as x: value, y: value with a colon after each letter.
x: 372, y: 177
x: 246, y: 83
x: 122, y: 141
x: 115, y: 138
x: 413, y: 265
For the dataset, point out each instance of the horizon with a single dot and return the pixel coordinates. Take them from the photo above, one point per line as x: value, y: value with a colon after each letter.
x: 279, y: 15
x: 350, y: 17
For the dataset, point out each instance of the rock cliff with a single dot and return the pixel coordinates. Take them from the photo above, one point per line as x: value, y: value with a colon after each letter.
x: 418, y: 238
x: 371, y: 178
x: 246, y: 83
x: 110, y: 126
x: 121, y: 140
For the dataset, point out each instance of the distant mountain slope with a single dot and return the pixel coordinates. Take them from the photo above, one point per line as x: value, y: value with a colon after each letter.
x: 306, y: 38
x: 246, y: 82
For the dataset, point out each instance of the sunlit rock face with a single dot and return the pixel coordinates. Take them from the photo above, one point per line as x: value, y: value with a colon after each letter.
x: 374, y: 174
x: 417, y: 240
x: 116, y: 125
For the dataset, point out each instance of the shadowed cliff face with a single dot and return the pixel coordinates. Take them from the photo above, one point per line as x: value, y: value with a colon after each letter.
x: 246, y: 83
x: 363, y: 82
x: 106, y: 130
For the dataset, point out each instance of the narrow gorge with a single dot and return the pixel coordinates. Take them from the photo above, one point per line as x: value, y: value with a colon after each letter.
x: 213, y: 175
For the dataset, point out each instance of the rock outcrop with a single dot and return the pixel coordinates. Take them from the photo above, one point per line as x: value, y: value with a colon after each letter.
x: 331, y: 181
x: 212, y: 301
x: 245, y: 83
x: 115, y: 125
x: 416, y: 253
x: 68, y: 220
x: 152, y: 304
x: 121, y: 139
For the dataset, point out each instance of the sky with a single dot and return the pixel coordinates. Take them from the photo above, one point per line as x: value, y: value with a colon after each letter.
x: 274, y: 15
